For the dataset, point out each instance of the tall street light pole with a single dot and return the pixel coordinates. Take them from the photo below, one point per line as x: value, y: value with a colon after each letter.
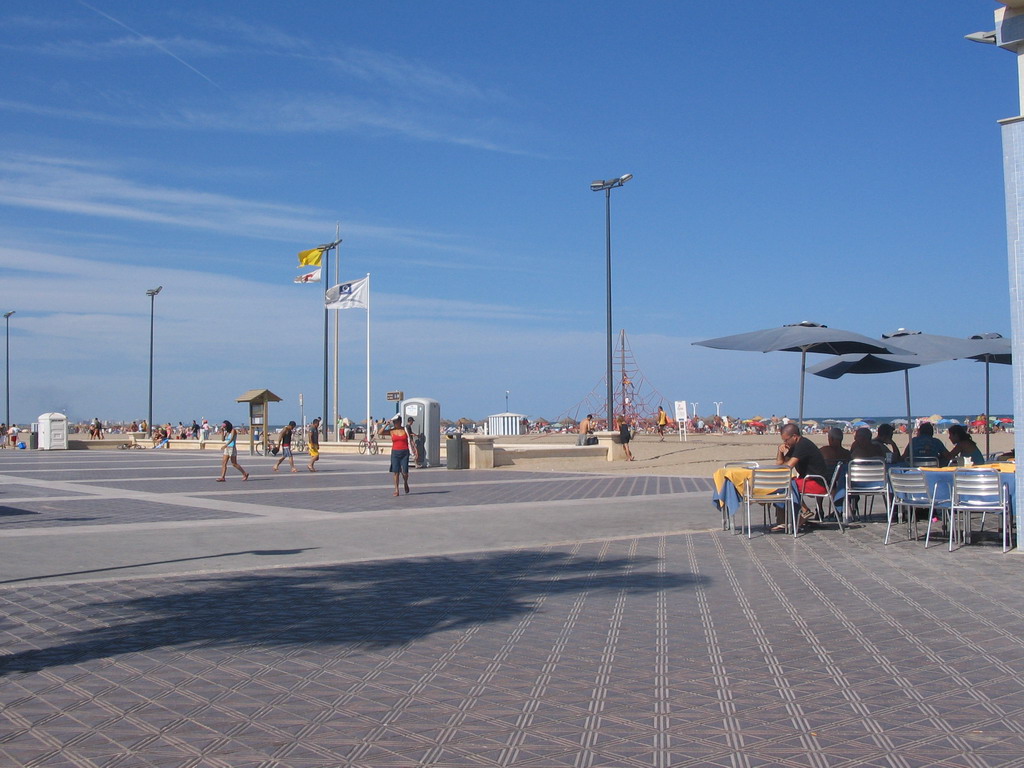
x: 7, y: 387
x: 152, y: 292
x: 718, y: 407
x: 607, y: 186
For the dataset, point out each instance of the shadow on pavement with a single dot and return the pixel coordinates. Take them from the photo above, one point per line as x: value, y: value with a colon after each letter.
x: 378, y: 604
x: 272, y: 552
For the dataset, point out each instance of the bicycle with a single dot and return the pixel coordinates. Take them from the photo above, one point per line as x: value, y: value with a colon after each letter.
x: 369, y: 444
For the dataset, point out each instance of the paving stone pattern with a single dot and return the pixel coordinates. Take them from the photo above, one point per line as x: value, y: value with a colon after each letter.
x: 697, y: 649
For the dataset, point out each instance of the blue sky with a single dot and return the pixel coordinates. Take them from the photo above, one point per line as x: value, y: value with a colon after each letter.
x: 793, y: 161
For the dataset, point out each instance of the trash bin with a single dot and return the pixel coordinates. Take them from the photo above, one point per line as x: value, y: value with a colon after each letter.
x: 33, y: 440
x: 455, y: 449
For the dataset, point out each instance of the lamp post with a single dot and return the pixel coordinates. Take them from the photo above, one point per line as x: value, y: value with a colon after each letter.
x: 718, y: 408
x: 7, y: 386
x: 607, y: 186
x: 152, y: 292
x: 695, y: 409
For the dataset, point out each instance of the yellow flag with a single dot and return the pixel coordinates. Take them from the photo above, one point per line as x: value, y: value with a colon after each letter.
x: 310, y: 258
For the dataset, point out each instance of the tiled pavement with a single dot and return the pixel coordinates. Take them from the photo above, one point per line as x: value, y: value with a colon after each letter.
x: 133, y: 635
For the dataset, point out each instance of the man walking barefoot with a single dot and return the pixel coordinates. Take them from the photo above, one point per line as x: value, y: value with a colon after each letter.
x: 314, y: 443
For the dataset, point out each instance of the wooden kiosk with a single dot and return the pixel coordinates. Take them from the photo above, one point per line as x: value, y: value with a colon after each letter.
x: 259, y: 409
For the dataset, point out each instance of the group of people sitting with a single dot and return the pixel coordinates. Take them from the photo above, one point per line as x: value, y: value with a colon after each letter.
x: 811, y: 462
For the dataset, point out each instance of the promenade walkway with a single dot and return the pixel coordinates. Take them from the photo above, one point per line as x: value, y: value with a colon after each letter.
x: 152, y: 617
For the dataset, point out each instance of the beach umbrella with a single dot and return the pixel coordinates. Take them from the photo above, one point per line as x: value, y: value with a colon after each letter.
x: 997, y: 350
x: 802, y: 337
x: 869, y: 364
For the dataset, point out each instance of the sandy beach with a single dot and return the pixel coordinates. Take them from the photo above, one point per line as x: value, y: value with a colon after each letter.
x: 698, y: 456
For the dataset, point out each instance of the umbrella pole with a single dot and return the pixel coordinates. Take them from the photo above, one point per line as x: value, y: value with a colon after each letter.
x: 910, y: 424
x: 803, y: 373
x: 988, y: 431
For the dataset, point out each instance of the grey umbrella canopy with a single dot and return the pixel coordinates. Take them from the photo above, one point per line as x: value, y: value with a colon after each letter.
x: 867, y: 364
x: 996, y: 350
x: 984, y: 347
x: 928, y: 348
x: 803, y: 338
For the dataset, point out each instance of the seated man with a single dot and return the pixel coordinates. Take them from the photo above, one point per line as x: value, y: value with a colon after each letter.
x: 834, y: 453
x: 926, y: 445
x: 890, y: 451
x: 805, y: 457
x: 864, y: 447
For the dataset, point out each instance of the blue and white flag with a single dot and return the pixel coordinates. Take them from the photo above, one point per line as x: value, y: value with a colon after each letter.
x: 350, y: 295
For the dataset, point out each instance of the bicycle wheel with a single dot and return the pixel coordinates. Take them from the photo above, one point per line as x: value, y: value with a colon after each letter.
x: 362, y: 447
x: 259, y: 449
x: 374, y: 448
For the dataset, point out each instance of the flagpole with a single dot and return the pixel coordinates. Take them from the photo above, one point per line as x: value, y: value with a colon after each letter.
x: 368, y: 426
x: 326, y: 415
x: 337, y: 326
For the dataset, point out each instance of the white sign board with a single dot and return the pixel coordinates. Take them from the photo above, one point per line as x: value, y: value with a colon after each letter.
x: 681, y: 419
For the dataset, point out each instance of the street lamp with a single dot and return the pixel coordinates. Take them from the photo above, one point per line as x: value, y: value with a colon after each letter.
x: 7, y: 387
x: 152, y: 292
x: 694, y: 410
x: 607, y: 186
x: 718, y: 407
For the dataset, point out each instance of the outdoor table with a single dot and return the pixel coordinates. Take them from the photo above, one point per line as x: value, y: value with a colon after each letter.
x: 729, y: 485
x: 941, y: 478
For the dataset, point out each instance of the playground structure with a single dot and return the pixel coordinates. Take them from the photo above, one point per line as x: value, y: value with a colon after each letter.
x: 633, y: 395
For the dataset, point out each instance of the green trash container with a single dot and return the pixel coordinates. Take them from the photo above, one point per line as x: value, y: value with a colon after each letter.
x: 455, y: 451
x: 33, y: 441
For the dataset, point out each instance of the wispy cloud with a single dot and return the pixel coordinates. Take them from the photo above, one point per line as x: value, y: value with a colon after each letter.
x: 411, y: 78
x: 148, y: 41
x: 89, y: 188
x: 357, y: 90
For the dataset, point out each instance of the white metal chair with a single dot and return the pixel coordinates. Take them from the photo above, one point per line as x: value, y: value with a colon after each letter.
x: 769, y: 486
x: 726, y: 522
x: 977, y: 490
x: 909, y: 494
x: 826, y: 498
x: 867, y: 478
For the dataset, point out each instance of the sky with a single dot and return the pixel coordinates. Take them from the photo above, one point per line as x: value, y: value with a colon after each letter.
x: 794, y: 160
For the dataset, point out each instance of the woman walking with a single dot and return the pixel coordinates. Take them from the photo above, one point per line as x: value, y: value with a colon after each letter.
x: 286, y: 447
x: 625, y: 436
x: 230, y: 453
x: 399, y: 453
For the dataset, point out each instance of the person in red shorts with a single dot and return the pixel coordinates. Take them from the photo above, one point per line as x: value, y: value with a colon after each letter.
x: 805, y: 457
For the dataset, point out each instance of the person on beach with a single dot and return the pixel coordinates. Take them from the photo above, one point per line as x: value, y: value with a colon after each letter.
x: 805, y: 457
x: 314, y: 444
x: 399, y: 453
x: 286, y: 447
x: 891, y: 451
x: 230, y: 453
x: 418, y: 445
x: 662, y: 422
x: 963, y: 445
x: 863, y: 447
x: 834, y: 453
x: 926, y: 446
x: 586, y: 429
x: 625, y: 436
